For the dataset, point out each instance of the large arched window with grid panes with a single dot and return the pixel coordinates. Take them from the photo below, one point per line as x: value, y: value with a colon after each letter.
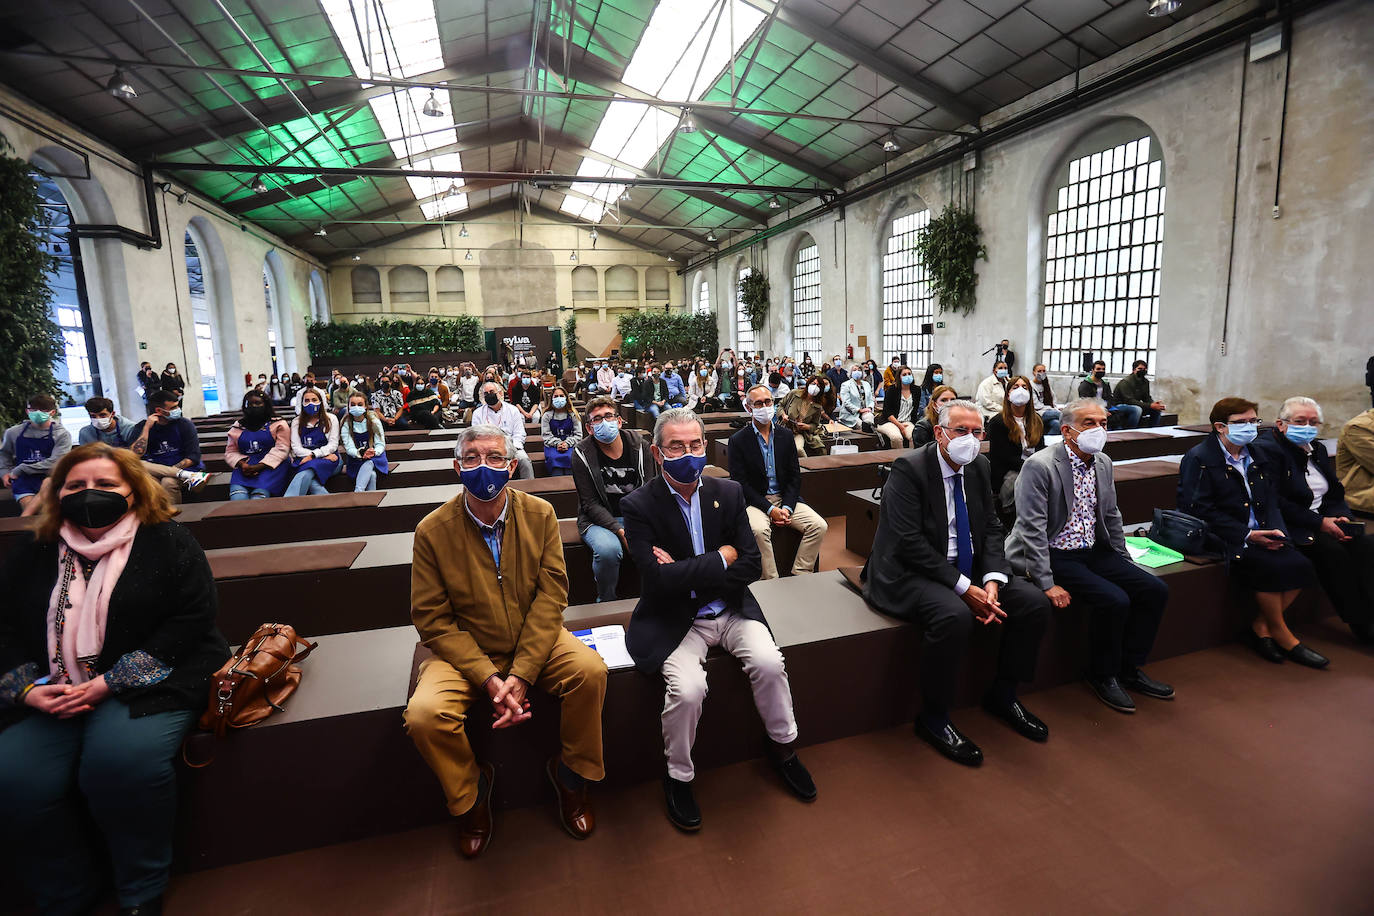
x: 744, y: 331
x: 702, y: 305
x: 806, y: 299
x: 908, y: 304
x: 1104, y: 244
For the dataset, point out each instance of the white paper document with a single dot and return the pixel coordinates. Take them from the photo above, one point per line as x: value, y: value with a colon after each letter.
x: 609, y: 642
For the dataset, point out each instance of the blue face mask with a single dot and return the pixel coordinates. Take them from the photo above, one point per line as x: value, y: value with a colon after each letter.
x: 485, y: 483
x: 856, y: 375
x: 357, y: 410
x: 686, y: 469
x: 606, y: 431
x: 1001, y: 373
x: 704, y: 372
x: 1300, y: 435
x: 908, y: 379
x: 310, y: 409
x: 937, y: 377
x: 174, y: 413
x: 560, y: 402
x: 1242, y: 433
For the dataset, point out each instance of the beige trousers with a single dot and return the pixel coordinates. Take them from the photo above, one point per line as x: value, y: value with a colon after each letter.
x: 805, y: 520
x: 751, y: 643
x: 438, y: 709
x: 899, y: 435
x: 167, y: 477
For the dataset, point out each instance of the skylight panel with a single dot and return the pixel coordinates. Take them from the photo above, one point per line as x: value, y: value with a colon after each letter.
x: 444, y: 206
x: 430, y: 187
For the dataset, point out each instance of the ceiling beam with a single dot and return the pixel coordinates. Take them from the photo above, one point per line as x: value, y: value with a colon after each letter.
x: 869, y: 59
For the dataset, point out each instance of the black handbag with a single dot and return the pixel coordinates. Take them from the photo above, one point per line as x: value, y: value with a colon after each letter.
x: 1180, y: 531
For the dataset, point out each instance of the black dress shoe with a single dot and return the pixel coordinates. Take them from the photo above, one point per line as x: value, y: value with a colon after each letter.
x: 1142, y: 683
x: 1265, y: 647
x: 147, y: 908
x: 682, y: 805
x: 1305, y: 656
x: 1020, y: 718
x: 1110, y: 691
x: 949, y: 742
x: 796, y: 777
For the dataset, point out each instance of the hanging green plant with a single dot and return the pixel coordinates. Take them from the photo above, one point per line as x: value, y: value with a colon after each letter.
x: 570, y: 341
x: 753, y: 297
x: 948, y: 247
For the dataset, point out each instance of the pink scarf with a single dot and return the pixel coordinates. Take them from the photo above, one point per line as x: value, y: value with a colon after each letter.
x: 73, y: 651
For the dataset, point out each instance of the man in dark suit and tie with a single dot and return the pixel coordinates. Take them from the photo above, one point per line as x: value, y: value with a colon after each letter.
x: 938, y: 538
x: 692, y: 543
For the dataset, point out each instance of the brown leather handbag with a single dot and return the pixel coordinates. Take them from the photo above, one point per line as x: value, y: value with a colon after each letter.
x: 257, y: 679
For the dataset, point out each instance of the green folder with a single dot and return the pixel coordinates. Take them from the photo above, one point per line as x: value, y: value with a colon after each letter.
x: 1154, y: 556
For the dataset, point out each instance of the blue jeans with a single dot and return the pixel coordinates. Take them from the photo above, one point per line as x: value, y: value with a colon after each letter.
x: 607, y: 552
x: 238, y: 491
x: 651, y: 409
x: 117, y: 768
x: 367, y: 477
x: 1125, y: 416
x: 305, y: 482
x: 1051, y: 418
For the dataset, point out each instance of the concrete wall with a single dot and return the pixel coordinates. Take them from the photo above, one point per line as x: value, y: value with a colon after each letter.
x: 1300, y: 317
x: 139, y: 299
x: 520, y: 273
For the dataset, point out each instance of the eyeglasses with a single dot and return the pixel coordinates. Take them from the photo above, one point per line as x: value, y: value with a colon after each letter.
x: 957, y: 431
x: 1303, y: 422
x: 494, y: 461
x: 764, y: 402
x: 696, y: 447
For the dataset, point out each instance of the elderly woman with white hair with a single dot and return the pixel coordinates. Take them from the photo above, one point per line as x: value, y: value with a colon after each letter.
x: 1313, y: 504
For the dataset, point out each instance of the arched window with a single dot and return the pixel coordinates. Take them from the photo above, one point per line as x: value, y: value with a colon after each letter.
x: 273, y: 327
x: 656, y: 286
x: 207, y: 347
x: 319, y: 301
x: 449, y: 284
x: 806, y: 300
x: 702, y: 305
x: 907, y: 301
x: 1104, y: 244
x: 408, y: 285
x: 77, y: 373
x: 584, y: 282
x: 744, y: 331
x: 622, y: 283
x: 367, y: 285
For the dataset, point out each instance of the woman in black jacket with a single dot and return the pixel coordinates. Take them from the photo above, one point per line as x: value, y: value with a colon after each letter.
x: 1234, y: 489
x: 107, y: 644
x: 1013, y: 436
x: 171, y: 380
x: 901, y: 409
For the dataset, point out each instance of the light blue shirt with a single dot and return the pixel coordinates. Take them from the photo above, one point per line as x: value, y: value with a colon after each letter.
x: 769, y: 465
x: 1242, y: 464
x: 493, y: 533
x: 675, y: 389
x: 691, y: 514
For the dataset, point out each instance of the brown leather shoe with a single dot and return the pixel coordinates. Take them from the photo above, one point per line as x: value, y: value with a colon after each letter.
x: 475, y: 824
x: 574, y: 806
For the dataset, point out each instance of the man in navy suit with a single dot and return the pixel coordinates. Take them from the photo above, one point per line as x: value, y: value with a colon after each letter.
x: 696, y: 553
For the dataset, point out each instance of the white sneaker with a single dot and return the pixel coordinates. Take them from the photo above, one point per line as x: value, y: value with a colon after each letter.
x: 195, y: 481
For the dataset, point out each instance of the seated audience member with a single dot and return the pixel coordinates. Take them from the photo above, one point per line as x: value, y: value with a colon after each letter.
x: 1095, y: 385
x: 493, y: 412
x: 702, y: 388
x: 856, y: 401
x: 938, y: 537
x: 389, y: 405
x: 562, y: 430
x: 1355, y: 462
x: 276, y: 391
x: 934, y: 377
x: 170, y: 447
x: 623, y: 384
x: 733, y: 387
x: 924, y: 429
x: 1042, y: 399
x: 1069, y: 542
x: 1134, y: 391
x: 441, y: 388
x: 873, y: 375
x: 524, y: 395
x: 1234, y: 489
x: 900, y: 410
x: 691, y: 540
x: 488, y: 591
x: 802, y: 412
x: 764, y: 462
x: 893, y: 373
x: 293, y: 387
x: 608, y: 464
x: 786, y: 381
x: 172, y: 381
x: 1312, y: 501
x: 306, y: 384
x: 314, y: 447
x: 467, y: 387
x: 651, y: 393
x: 364, y: 443
x: 605, y: 376
x: 29, y: 450
x: 423, y: 405
x: 340, y: 391
x: 992, y: 391
x: 106, y: 425
x: 98, y: 698
x: 1013, y: 436
x: 257, y: 451
x: 677, y: 391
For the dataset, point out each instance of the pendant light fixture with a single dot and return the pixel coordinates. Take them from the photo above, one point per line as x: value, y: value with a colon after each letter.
x: 120, y: 87
x: 432, y: 107
x: 1159, y: 8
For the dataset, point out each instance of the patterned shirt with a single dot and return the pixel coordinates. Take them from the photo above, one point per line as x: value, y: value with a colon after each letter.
x: 387, y: 403
x: 1080, y: 532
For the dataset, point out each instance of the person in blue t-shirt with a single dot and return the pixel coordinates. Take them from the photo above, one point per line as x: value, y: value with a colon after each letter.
x: 170, y: 449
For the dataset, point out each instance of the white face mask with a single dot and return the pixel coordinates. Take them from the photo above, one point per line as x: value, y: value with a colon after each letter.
x: 1092, y: 441
x: 1018, y: 396
x: 762, y: 415
x: 102, y: 422
x: 963, y: 449
x: 813, y: 390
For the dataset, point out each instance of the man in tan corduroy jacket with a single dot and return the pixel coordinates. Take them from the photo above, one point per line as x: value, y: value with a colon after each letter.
x: 488, y: 590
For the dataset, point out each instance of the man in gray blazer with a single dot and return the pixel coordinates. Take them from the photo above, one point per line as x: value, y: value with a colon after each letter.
x: 1068, y: 541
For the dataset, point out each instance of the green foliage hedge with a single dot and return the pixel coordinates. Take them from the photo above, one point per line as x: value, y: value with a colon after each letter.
x: 383, y: 338
x: 29, y: 338
x: 674, y: 335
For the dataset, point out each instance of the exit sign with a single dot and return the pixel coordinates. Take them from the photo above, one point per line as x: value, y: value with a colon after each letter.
x: 939, y: 324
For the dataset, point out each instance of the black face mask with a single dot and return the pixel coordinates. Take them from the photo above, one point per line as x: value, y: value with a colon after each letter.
x: 491, y: 398
x: 93, y: 508
x: 254, y: 417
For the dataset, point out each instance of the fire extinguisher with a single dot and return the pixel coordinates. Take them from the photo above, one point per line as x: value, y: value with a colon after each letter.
x: 848, y: 351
